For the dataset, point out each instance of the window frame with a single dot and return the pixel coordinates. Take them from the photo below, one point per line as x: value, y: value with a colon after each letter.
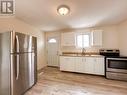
x: 85, y: 33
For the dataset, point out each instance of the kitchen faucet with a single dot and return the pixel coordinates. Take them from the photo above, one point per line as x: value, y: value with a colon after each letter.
x: 83, y: 51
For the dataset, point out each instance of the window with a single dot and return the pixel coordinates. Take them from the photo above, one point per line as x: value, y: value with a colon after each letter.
x: 52, y: 40
x: 83, y: 40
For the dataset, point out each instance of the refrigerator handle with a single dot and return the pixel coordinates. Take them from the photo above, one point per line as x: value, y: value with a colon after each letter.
x: 17, y: 68
x: 17, y: 43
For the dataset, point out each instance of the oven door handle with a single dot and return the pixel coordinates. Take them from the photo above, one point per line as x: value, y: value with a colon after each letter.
x: 117, y: 59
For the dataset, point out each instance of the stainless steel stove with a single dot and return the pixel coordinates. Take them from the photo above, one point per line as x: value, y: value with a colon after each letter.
x: 116, y: 68
x: 115, y: 65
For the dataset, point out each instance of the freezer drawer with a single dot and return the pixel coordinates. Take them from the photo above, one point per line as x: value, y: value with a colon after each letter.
x: 23, y: 74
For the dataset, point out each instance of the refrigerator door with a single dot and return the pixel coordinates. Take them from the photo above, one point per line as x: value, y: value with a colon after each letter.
x: 23, y: 72
x: 22, y: 43
x: 5, y: 63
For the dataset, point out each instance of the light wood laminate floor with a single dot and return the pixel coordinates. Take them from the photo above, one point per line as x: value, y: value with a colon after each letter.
x: 54, y: 82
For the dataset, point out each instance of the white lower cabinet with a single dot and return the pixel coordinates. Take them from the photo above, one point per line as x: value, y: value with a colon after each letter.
x: 79, y: 64
x: 89, y: 65
x: 99, y: 67
x: 67, y: 63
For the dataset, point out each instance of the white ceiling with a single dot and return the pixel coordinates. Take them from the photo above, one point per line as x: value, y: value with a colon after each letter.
x: 84, y: 13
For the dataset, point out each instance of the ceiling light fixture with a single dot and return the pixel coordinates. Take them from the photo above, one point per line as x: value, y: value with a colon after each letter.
x: 63, y: 10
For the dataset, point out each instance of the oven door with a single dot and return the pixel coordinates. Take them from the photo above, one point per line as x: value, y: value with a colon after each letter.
x: 118, y: 65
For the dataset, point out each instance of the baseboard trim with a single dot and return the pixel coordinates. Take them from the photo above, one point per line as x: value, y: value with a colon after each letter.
x: 53, y: 66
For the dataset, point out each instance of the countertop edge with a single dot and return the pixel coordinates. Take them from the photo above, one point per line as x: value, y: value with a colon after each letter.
x: 82, y: 55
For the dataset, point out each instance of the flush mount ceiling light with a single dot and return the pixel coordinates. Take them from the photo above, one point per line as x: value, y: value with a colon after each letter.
x: 63, y: 10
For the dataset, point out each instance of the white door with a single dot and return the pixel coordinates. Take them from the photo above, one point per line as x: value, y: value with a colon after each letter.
x: 52, y: 51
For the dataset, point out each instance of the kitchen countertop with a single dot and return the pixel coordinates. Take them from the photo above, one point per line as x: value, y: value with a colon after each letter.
x: 82, y: 55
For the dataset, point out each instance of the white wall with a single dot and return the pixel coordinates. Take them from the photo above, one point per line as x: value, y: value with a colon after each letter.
x: 7, y: 24
x: 110, y: 38
x: 122, y: 30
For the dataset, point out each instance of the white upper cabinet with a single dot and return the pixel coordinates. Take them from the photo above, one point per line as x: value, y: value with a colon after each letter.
x: 93, y: 38
x: 97, y: 38
x: 68, y: 39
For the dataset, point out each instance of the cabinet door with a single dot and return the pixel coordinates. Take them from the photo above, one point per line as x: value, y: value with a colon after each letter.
x: 67, y: 63
x: 89, y: 65
x: 79, y: 65
x: 68, y: 39
x: 99, y: 66
x: 97, y: 38
x: 62, y: 63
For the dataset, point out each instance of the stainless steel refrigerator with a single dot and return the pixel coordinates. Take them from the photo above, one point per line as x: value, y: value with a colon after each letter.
x: 18, y: 63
